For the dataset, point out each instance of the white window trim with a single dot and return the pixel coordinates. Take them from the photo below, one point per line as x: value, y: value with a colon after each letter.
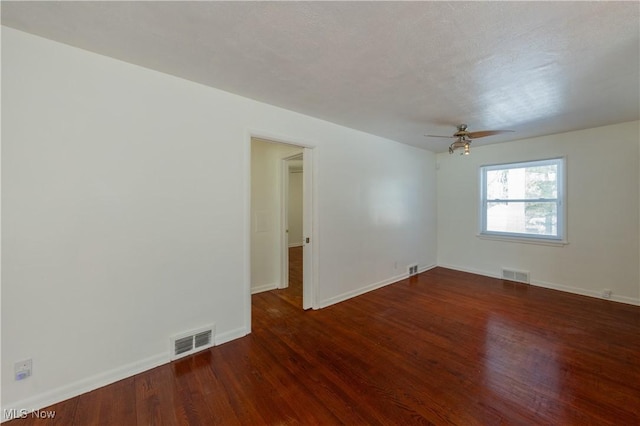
x: 561, y: 240
x: 528, y: 240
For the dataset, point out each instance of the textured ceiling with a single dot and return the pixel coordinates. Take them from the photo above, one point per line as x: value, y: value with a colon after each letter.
x: 394, y: 69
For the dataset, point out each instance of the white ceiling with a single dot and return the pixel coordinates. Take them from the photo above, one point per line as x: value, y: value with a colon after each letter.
x: 394, y: 69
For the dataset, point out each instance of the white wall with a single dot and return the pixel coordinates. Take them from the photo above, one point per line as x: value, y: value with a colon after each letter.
x: 126, y: 213
x: 602, y: 202
x: 380, y: 198
x: 266, y: 205
x: 295, y: 208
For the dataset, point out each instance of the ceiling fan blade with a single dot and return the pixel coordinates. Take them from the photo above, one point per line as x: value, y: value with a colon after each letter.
x: 438, y: 136
x: 483, y: 133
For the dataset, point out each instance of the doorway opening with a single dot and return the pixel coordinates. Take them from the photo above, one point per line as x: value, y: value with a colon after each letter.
x: 280, y: 215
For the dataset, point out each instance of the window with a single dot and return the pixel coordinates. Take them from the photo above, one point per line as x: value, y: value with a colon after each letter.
x: 523, y: 200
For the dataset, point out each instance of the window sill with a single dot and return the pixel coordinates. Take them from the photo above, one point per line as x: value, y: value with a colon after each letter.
x: 537, y: 241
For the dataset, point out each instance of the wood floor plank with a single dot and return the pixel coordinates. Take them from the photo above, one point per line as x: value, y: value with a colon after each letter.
x: 440, y: 348
x: 155, y: 397
x: 213, y: 391
x: 249, y: 383
x: 317, y: 384
x: 108, y: 406
x: 61, y: 413
x: 202, y: 398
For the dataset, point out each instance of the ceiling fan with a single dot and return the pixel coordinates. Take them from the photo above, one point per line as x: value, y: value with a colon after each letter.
x: 464, y: 138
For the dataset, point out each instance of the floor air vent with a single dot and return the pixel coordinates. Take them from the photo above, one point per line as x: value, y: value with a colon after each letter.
x: 192, y: 341
x: 513, y: 275
x: 412, y: 269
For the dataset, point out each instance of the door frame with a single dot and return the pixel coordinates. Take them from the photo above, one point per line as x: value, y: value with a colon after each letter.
x: 310, y: 219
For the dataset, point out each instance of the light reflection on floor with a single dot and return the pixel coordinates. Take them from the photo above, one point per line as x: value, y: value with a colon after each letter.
x: 517, y: 358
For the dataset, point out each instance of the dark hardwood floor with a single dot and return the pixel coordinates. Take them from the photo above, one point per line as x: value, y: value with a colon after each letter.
x: 293, y: 294
x: 443, y: 347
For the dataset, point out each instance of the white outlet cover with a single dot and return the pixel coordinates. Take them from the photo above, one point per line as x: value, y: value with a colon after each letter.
x: 23, y: 369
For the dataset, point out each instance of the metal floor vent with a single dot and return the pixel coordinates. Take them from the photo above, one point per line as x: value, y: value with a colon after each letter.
x: 513, y: 275
x: 412, y: 269
x: 193, y: 341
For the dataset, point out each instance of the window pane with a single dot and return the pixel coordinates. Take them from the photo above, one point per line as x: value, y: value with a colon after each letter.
x: 541, y: 182
x: 522, y: 183
x: 523, y: 218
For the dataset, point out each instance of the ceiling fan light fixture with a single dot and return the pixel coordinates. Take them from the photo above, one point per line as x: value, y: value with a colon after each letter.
x: 464, y: 138
x: 462, y: 143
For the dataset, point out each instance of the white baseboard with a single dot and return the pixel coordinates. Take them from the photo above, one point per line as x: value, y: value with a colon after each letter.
x: 552, y: 286
x: 353, y: 293
x: 300, y: 244
x: 230, y: 335
x: 469, y: 270
x: 590, y: 293
x: 62, y: 393
x: 264, y: 287
x: 426, y: 268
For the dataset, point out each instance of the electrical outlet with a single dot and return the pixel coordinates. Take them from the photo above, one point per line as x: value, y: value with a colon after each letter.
x: 23, y: 369
x: 606, y: 293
